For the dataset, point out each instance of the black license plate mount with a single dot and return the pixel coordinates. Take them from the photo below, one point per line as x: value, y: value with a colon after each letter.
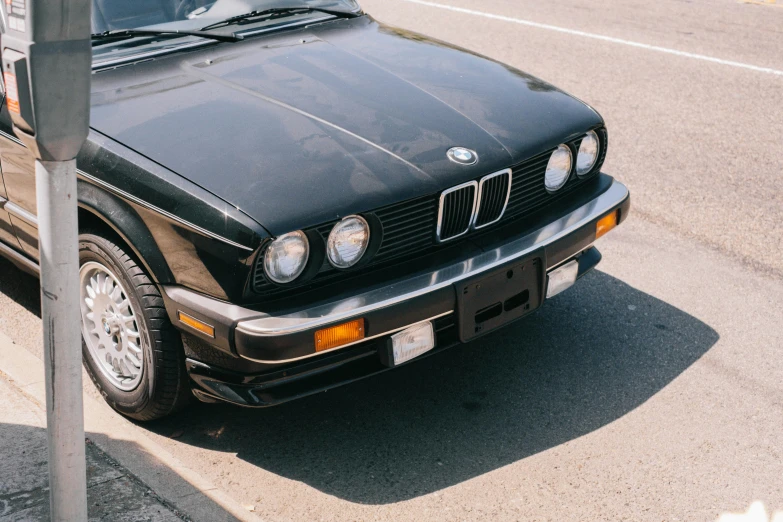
x: 488, y: 301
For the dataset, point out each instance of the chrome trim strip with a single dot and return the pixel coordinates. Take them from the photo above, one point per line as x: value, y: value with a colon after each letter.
x: 480, y: 190
x: 18, y: 257
x: 11, y: 137
x: 160, y: 211
x: 443, y: 195
x: 405, y: 289
x: 3, y: 201
x: 390, y: 332
x: 17, y: 211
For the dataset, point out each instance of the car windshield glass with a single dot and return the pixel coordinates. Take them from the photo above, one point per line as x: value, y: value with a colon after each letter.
x: 189, y: 15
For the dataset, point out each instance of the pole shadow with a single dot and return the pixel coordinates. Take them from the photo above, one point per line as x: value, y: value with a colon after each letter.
x: 587, y: 358
x: 112, y: 492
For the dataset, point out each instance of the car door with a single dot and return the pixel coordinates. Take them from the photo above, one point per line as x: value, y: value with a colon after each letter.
x: 18, y: 167
x: 7, y: 233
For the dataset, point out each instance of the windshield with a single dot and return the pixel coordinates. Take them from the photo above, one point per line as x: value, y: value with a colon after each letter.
x: 113, y: 15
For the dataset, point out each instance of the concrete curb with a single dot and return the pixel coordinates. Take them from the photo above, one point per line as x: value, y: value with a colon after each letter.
x: 127, y: 443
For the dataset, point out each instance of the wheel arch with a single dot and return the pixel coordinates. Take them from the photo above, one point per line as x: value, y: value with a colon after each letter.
x: 101, y: 210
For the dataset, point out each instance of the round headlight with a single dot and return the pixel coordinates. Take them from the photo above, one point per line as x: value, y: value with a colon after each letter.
x: 286, y: 257
x: 348, y: 242
x: 588, y: 153
x: 558, y: 169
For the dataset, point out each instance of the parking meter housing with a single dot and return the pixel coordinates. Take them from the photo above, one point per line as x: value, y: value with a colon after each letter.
x: 47, y: 59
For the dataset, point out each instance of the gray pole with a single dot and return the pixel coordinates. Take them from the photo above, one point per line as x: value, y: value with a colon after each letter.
x: 58, y: 236
x: 47, y: 65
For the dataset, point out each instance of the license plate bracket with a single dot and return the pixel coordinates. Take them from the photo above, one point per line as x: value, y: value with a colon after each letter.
x: 488, y: 301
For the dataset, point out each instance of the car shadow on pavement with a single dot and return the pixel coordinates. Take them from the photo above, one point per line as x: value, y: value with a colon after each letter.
x: 587, y: 358
x: 20, y: 286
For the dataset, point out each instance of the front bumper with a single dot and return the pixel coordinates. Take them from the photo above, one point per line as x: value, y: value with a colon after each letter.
x: 278, y: 348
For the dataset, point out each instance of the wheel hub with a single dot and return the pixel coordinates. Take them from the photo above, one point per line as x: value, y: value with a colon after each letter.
x: 111, y: 323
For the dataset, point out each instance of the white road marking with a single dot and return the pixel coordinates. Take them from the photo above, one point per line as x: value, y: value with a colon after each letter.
x: 603, y: 38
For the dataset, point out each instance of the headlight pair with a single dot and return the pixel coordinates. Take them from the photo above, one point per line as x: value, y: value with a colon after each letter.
x: 560, y: 164
x: 286, y: 257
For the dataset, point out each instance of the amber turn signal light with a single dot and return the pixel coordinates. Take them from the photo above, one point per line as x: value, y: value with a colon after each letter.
x: 196, y: 324
x: 606, y: 223
x: 339, y: 335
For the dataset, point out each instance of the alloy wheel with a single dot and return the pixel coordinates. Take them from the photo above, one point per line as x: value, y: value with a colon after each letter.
x: 110, y: 327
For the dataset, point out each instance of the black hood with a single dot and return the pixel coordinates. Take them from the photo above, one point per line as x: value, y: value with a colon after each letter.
x: 304, y: 127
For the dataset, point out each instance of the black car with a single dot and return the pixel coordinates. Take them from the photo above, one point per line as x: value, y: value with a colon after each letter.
x: 281, y: 197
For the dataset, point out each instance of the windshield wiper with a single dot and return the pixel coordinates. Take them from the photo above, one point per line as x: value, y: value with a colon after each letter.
x: 281, y: 11
x: 130, y: 33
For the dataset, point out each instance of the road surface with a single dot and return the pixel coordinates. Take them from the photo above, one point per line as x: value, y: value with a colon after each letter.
x: 651, y: 391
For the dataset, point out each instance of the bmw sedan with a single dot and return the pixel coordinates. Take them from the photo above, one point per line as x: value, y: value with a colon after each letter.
x: 279, y: 197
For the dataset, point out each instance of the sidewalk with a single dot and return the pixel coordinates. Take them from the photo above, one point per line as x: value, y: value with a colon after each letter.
x: 129, y: 476
x: 112, y: 492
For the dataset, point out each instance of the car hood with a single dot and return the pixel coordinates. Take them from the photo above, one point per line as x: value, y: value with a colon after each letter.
x: 308, y: 126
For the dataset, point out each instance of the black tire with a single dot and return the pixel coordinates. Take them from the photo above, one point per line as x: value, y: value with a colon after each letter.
x: 164, y: 387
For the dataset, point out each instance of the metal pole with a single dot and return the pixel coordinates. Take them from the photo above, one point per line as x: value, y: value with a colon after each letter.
x: 59, y: 248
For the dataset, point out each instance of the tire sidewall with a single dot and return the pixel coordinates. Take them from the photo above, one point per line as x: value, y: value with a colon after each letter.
x: 94, y: 248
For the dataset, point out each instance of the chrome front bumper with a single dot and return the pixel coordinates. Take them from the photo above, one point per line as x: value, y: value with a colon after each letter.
x: 271, y: 339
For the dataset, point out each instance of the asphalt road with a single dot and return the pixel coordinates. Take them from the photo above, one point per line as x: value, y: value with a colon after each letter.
x: 651, y: 391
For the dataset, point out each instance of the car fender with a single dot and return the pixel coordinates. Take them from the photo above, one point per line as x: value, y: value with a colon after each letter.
x: 125, y: 221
